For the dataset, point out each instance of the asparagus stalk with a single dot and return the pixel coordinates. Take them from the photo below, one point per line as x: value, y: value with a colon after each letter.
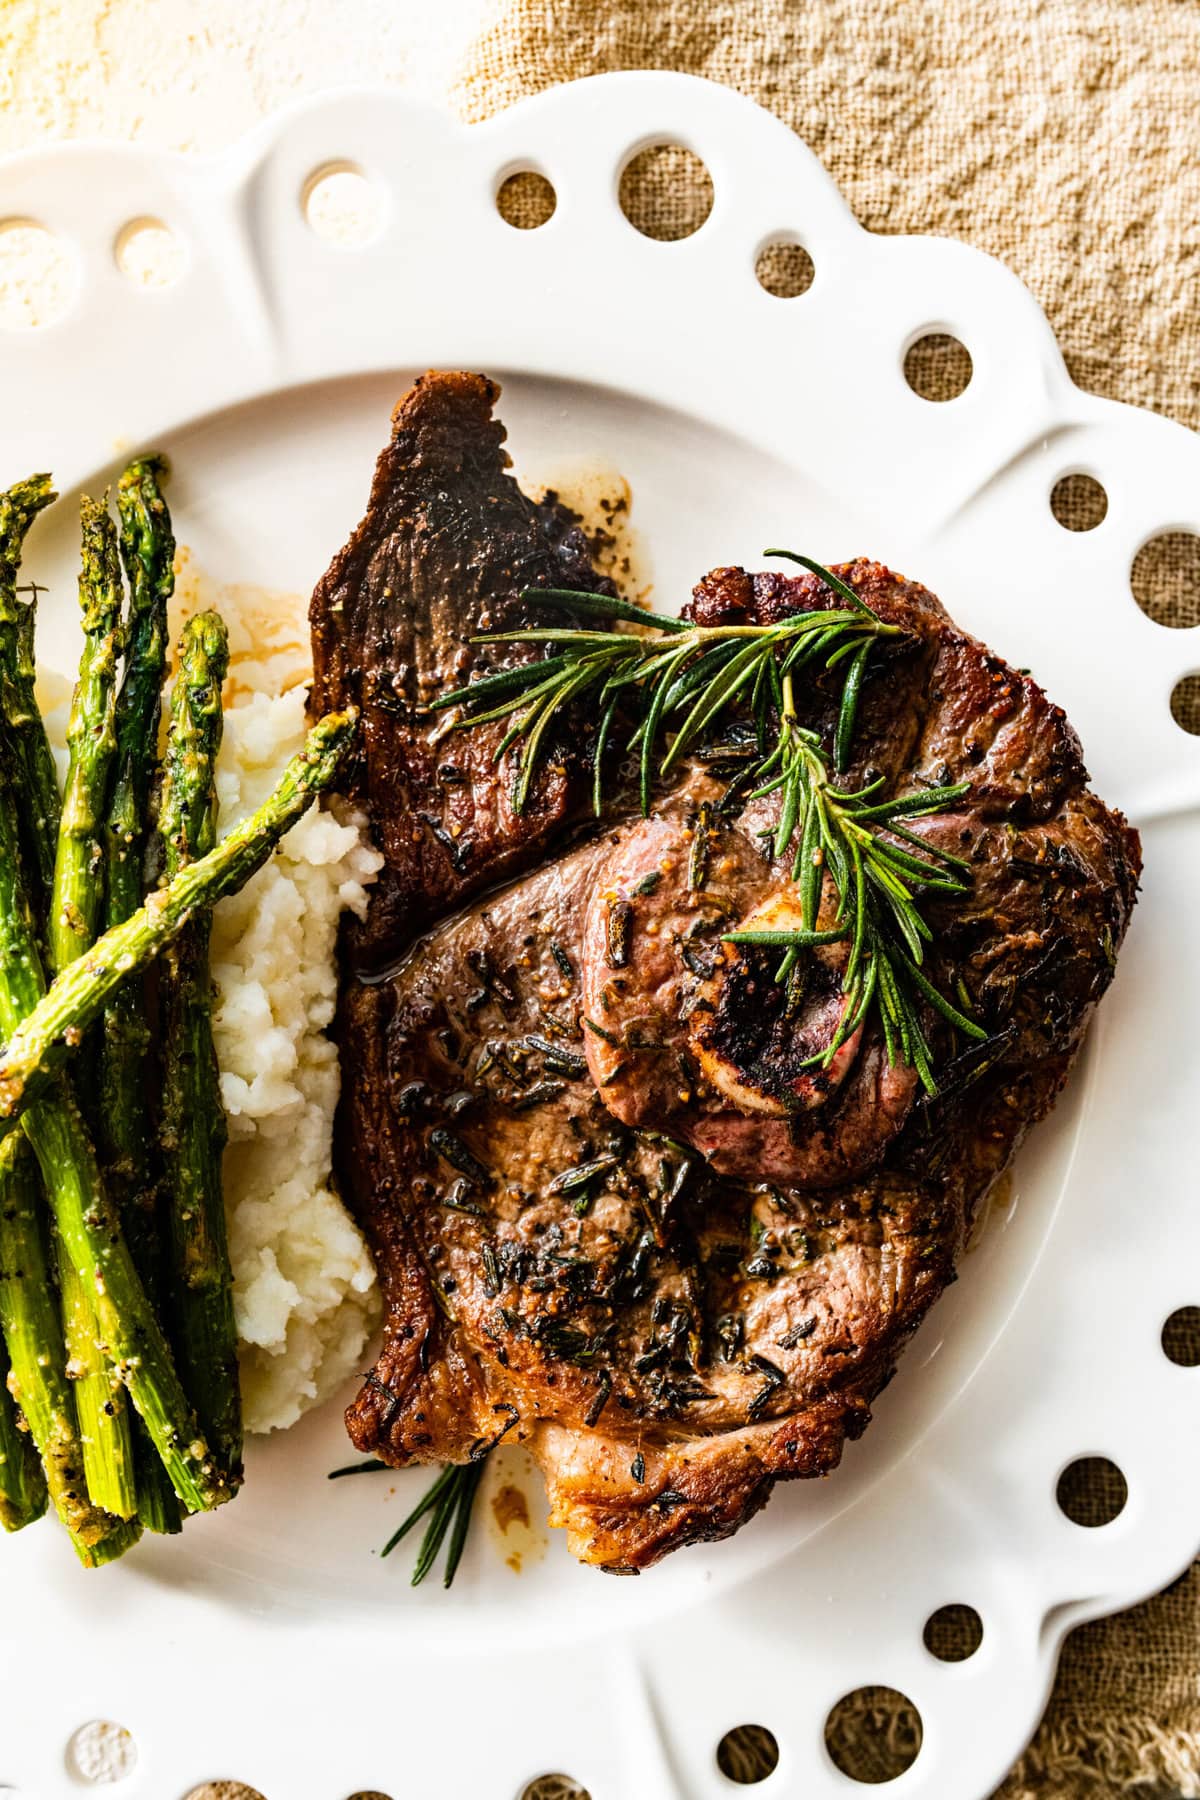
x: 22, y: 1483
x: 85, y: 1218
x: 124, y: 1128
x: 76, y: 898
x: 193, y: 1132
x: 38, y: 1379
x: 77, y: 893
x: 54, y: 1026
x: 18, y: 706
x: 97, y: 1535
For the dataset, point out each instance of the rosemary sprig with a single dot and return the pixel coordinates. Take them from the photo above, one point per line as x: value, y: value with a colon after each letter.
x: 450, y: 1500
x: 448, y: 1503
x: 673, y: 674
x: 677, y: 677
x: 879, y: 869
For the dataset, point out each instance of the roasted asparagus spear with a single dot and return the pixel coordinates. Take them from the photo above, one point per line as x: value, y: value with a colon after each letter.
x: 32, y: 1330
x: 192, y: 1132
x: 54, y: 1026
x: 18, y: 706
x: 22, y: 1483
x: 74, y: 917
x: 88, y: 1227
x: 124, y: 1127
x: 77, y: 893
x: 37, y: 1350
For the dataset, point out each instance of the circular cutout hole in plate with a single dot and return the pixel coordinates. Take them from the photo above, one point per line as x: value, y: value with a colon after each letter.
x: 1078, y: 502
x: 343, y: 206
x: 1185, y: 704
x: 553, y: 1787
x: 873, y: 1734
x: 784, y: 268
x: 938, y: 367
x: 38, y: 275
x: 666, y: 192
x: 748, y: 1754
x: 149, y: 254
x: 1092, y: 1491
x: 953, y: 1633
x: 101, y: 1753
x: 526, y: 200
x: 1181, y: 1337
x: 1165, y: 579
x: 223, y: 1790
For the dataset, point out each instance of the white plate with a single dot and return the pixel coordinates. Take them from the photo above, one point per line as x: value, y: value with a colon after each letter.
x: 270, y: 1644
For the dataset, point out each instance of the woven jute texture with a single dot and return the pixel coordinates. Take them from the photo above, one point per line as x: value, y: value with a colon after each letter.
x: 1065, y: 139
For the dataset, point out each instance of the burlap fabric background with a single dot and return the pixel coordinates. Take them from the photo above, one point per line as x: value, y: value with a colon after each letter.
x: 1062, y: 137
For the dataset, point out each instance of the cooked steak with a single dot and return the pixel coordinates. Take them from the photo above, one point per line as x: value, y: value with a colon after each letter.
x: 618, y: 1214
x: 447, y: 543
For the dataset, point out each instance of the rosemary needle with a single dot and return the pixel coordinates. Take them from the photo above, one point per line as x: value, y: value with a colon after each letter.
x: 468, y: 1486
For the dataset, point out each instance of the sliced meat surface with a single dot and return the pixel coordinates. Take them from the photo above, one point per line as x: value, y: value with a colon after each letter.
x: 618, y: 1216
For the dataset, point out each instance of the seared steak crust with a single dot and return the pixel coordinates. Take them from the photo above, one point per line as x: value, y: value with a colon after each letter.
x: 447, y: 543
x: 674, y: 1286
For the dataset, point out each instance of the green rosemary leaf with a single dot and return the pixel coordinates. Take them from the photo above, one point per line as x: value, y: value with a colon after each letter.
x: 808, y: 865
x: 938, y: 1000
x: 848, y: 711
x: 930, y: 874
x: 435, y: 1532
x: 533, y: 741
x: 789, y: 809
x: 553, y: 634
x: 532, y: 693
x: 467, y: 1489
x: 929, y: 800
x: 698, y: 674
x: 854, y: 896
x: 934, y: 850
x: 650, y: 731
x: 601, y: 606
x: 505, y: 681
x: 602, y: 737
x: 831, y: 580
x: 725, y: 687
x: 431, y: 1499
x: 800, y: 940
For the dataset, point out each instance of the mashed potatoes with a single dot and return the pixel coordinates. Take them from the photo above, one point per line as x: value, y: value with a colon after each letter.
x: 304, y: 1285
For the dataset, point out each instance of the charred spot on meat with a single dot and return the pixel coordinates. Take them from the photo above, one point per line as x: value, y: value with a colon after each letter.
x: 617, y: 1182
